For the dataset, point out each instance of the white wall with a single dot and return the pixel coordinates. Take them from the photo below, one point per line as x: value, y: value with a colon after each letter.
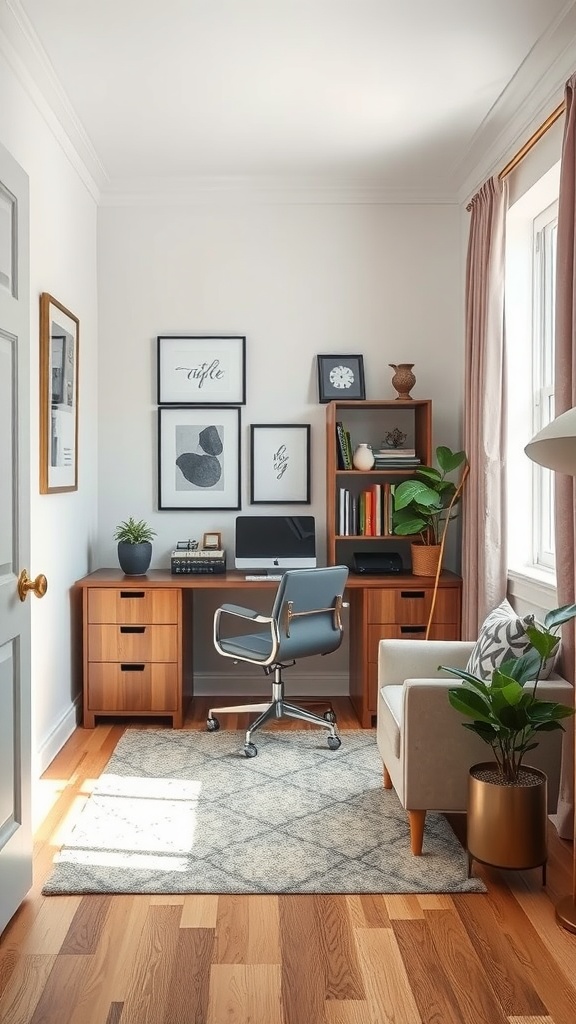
x: 297, y: 280
x: 63, y: 526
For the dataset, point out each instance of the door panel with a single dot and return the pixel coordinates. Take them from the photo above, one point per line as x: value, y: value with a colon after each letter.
x: 15, y: 744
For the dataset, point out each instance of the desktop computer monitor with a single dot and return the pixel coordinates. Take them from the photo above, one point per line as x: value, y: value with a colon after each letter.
x: 272, y: 543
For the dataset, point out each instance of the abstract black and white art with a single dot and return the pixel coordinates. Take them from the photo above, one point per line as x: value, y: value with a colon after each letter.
x: 280, y: 463
x: 198, y: 458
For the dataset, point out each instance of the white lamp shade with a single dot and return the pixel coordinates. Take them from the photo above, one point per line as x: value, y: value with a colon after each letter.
x: 555, y: 445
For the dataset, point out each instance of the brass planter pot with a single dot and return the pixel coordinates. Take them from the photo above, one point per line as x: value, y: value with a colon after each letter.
x: 507, y: 824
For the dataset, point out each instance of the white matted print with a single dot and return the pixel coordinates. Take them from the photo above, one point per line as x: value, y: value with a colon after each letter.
x: 201, y: 370
x: 59, y: 333
x: 198, y: 458
x: 280, y: 463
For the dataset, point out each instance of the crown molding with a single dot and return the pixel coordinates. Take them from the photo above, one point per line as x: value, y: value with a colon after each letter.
x: 29, y: 62
x: 534, y: 91
x: 264, y: 192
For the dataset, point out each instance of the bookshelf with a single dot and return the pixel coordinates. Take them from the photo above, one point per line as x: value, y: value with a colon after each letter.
x: 359, y: 503
x: 395, y: 605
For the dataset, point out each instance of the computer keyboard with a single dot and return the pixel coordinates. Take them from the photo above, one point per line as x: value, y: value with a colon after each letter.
x: 264, y: 576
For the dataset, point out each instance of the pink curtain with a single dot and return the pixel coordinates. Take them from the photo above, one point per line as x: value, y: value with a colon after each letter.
x: 484, y: 505
x: 565, y: 398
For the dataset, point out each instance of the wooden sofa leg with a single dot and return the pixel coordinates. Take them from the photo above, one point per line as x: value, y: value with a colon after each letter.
x: 416, y: 820
x: 386, y: 778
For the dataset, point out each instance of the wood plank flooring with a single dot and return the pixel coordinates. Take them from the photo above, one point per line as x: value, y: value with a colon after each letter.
x: 498, y: 958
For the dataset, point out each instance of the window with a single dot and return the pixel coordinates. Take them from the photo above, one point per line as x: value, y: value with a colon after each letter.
x: 529, y: 299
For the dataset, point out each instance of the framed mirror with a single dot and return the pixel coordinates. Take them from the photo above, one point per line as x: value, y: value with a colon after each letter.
x: 59, y: 330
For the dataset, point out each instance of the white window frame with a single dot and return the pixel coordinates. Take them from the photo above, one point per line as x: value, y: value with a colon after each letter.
x: 543, y: 290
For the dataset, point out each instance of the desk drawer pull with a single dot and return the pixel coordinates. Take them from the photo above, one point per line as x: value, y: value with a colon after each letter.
x: 413, y: 593
x: 132, y: 629
x: 412, y: 629
x: 132, y: 668
x: 132, y: 593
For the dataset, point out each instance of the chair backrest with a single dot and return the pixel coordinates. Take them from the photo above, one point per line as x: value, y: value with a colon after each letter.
x: 307, y: 610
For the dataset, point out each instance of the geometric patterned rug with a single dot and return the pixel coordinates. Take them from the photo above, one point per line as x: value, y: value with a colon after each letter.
x: 182, y: 811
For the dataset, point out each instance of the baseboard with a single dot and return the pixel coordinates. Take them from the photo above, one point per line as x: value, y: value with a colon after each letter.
x: 247, y: 684
x: 61, y: 732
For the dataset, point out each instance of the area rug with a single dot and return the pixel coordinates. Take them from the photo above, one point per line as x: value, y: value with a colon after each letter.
x: 179, y: 811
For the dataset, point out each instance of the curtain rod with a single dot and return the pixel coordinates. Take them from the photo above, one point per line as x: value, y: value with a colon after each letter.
x: 528, y: 145
x: 550, y: 120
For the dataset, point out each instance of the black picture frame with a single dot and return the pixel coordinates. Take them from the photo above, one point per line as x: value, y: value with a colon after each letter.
x: 280, y: 464
x: 340, y: 378
x: 201, y: 370
x: 186, y: 478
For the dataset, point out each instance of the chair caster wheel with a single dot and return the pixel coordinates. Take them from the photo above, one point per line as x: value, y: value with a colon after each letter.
x: 334, y: 742
x: 329, y: 716
x: 212, y: 724
x: 250, y: 750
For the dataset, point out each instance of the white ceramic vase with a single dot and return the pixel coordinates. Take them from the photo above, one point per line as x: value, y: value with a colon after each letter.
x: 363, y: 457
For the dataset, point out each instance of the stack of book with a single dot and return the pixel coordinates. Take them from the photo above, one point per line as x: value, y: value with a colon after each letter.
x: 367, y: 513
x: 395, y: 458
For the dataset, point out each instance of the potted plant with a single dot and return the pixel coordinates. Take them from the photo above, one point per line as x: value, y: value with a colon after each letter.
x: 134, y: 546
x: 425, y: 504
x: 507, y: 800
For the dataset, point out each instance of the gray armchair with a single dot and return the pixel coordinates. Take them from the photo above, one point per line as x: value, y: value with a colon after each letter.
x: 425, y: 750
x: 306, y: 619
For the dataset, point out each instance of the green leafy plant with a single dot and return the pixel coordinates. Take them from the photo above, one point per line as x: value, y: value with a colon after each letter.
x: 424, y: 505
x: 134, y: 532
x: 506, y: 711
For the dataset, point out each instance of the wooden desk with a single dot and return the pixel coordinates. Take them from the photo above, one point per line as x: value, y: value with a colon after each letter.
x: 136, y: 655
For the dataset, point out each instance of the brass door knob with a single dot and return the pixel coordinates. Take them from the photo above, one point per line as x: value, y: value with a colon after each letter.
x: 39, y: 586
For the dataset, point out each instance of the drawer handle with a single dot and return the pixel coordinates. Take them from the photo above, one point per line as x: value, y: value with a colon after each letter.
x: 132, y: 629
x: 132, y: 593
x: 132, y: 668
x: 413, y: 593
x: 412, y: 629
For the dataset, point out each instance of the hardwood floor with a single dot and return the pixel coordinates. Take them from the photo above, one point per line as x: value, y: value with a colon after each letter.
x: 498, y: 958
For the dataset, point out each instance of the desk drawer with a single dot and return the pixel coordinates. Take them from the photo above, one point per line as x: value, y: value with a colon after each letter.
x: 132, y: 643
x: 132, y: 687
x: 132, y: 605
x: 411, y: 605
x: 376, y: 633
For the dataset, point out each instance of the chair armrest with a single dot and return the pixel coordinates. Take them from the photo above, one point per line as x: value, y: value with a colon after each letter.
x: 402, y: 659
x: 243, y: 613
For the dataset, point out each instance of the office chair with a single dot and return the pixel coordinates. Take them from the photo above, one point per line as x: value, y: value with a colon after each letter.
x: 306, y: 619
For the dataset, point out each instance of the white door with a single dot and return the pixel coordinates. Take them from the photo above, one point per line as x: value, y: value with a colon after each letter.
x: 15, y: 770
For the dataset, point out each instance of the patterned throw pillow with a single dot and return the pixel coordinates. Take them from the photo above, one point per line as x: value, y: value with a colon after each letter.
x: 502, y: 636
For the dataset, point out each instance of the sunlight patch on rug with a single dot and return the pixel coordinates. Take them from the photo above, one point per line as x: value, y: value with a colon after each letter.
x: 181, y: 811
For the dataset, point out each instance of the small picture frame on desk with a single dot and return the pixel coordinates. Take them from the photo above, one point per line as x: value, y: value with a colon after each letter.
x: 212, y: 542
x: 340, y: 378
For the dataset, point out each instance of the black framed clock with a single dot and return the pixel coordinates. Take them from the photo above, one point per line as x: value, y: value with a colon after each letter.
x: 340, y: 377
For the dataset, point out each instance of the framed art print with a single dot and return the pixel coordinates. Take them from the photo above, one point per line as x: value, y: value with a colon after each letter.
x: 198, y: 458
x: 201, y: 370
x: 59, y: 330
x: 280, y: 463
x: 340, y: 377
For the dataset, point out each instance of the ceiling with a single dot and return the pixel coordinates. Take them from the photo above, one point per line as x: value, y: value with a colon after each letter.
x: 333, y: 92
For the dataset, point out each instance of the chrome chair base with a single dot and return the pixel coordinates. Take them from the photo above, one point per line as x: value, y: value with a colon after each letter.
x: 276, y: 708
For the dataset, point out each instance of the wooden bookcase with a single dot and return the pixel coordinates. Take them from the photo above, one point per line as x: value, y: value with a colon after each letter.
x: 394, y: 606
x: 370, y: 422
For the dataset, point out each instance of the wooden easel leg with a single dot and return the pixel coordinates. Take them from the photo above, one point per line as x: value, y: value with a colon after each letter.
x: 386, y: 778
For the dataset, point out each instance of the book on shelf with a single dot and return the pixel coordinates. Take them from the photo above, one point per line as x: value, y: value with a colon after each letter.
x: 395, y: 452
x: 343, y: 447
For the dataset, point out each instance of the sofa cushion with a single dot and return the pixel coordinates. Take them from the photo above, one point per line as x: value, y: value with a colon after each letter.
x: 393, y: 700
x: 502, y: 636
